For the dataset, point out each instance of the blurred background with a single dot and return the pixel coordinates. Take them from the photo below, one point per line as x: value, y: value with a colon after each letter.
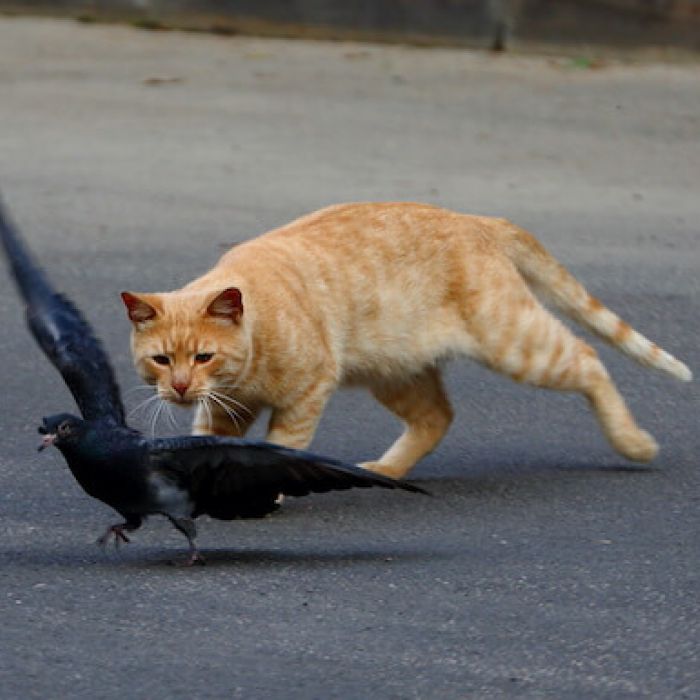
x: 496, y: 24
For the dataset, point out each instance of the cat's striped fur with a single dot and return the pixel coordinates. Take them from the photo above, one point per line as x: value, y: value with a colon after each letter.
x: 379, y: 295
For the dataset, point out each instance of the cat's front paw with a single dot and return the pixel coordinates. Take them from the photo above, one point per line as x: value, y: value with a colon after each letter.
x: 384, y: 469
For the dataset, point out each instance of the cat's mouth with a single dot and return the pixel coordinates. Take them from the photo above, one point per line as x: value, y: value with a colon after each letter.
x: 184, y: 401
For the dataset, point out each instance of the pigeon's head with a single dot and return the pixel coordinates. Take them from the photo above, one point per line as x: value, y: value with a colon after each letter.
x: 61, y: 430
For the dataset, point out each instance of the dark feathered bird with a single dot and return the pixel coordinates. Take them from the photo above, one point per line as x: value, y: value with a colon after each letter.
x: 181, y: 477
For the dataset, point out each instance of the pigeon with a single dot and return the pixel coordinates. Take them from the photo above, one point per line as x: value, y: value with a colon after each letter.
x: 179, y: 477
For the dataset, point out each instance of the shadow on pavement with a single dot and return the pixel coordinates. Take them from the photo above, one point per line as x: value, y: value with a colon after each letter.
x: 76, y: 558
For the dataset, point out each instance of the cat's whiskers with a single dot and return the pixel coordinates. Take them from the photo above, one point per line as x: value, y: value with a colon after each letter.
x: 154, y: 406
x: 233, y: 403
x: 143, y: 404
x: 154, y: 418
x: 230, y: 412
x: 171, y: 417
x: 228, y: 397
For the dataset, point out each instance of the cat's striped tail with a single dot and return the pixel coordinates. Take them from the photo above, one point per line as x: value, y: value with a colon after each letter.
x: 554, y: 282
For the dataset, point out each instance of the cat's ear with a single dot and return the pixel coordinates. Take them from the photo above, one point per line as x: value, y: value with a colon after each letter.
x: 138, y: 309
x: 227, y: 304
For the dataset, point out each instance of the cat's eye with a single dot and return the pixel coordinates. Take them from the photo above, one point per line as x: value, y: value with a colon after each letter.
x: 202, y: 357
x: 161, y: 359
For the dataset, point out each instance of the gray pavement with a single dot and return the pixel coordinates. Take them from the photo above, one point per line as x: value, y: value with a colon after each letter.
x: 544, y: 565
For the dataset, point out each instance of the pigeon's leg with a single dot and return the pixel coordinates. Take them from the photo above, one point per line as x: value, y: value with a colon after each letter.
x: 187, y: 527
x: 118, y: 531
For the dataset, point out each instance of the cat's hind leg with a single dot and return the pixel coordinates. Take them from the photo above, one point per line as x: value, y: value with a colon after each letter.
x: 422, y: 404
x: 530, y: 345
x: 617, y: 422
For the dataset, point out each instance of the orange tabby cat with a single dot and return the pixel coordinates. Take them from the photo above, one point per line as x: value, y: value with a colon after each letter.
x: 379, y: 295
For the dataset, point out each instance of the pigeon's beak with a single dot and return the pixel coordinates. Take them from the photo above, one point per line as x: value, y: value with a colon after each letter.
x: 47, y: 441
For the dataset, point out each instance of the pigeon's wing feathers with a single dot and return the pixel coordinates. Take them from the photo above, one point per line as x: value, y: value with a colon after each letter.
x: 63, y: 333
x: 223, y: 474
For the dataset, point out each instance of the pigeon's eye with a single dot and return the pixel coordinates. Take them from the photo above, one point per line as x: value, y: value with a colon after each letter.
x: 161, y: 359
x: 64, y: 429
x: 203, y: 357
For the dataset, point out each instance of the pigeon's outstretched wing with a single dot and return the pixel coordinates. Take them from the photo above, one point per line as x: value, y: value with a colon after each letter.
x: 229, y: 478
x: 62, y: 333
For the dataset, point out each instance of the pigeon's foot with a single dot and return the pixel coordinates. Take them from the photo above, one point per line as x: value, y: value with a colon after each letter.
x: 116, y: 531
x: 195, y: 557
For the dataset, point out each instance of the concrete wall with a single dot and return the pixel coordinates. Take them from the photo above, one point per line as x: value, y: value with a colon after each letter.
x: 489, y: 23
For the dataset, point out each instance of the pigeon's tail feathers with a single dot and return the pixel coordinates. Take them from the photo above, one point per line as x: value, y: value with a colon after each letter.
x: 28, y: 275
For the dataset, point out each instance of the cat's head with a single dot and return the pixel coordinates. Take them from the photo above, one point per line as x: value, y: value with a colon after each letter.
x: 187, y: 344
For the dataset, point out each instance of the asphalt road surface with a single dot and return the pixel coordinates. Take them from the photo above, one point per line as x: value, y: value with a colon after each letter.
x: 544, y: 565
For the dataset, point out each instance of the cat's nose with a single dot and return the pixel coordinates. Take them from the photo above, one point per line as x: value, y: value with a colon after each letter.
x: 181, y: 387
